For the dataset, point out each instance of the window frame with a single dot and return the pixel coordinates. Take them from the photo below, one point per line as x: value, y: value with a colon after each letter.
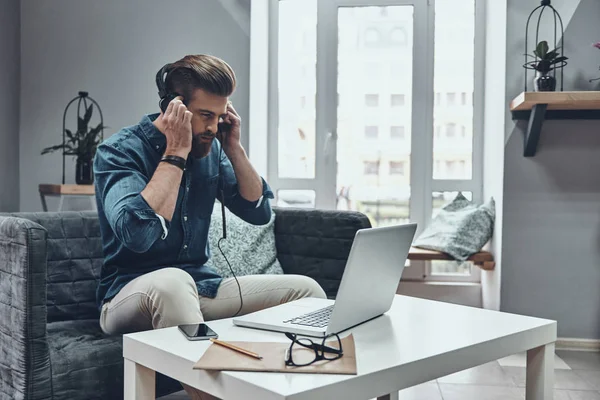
x: 422, y: 135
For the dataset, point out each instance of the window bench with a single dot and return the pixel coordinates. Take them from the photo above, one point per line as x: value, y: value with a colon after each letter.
x: 483, y: 259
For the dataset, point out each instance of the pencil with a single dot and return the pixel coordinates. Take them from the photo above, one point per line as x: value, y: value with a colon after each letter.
x: 232, y: 347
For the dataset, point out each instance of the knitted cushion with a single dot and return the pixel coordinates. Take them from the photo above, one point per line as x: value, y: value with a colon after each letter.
x: 250, y: 249
x: 460, y: 229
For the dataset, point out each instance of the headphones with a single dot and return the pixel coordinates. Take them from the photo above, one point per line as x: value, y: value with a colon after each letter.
x: 163, y: 93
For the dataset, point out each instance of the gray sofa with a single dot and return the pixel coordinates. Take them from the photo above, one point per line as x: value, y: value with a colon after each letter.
x: 51, y: 346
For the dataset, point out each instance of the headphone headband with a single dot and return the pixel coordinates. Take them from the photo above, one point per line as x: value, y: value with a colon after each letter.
x: 161, y: 80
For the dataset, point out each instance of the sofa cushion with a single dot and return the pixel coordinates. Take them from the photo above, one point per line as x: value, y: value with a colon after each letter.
x: 316, y: 243
x: 250, y: 249
x: 74, y: 262
x: 83, y: 357
x: 87, y: 364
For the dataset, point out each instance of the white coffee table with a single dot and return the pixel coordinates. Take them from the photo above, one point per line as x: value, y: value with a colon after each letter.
x: 415, y: 342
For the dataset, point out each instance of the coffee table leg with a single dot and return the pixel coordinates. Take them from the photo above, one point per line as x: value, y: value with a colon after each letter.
x: 540, y: 373
x: 391, y: 396
x: 139, y: 382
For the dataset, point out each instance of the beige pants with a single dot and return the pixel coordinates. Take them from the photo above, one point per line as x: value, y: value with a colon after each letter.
x: 168, y: 297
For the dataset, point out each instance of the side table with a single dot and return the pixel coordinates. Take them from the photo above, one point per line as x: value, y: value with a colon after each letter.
x: 66, y: 190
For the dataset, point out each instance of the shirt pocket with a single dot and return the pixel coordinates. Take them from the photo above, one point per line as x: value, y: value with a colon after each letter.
x: 204, y: 195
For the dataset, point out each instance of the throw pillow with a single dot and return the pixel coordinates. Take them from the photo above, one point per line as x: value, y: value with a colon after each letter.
x: 249, y: 248
x: 460, y: 229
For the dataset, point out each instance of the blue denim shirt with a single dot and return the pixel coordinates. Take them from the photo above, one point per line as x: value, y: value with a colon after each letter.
x: 135, y: 241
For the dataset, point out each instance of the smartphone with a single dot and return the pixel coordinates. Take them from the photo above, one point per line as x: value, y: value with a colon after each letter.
x: 197, y: 332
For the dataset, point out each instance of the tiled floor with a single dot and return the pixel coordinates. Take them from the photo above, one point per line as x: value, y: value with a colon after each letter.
x: 577, y: 377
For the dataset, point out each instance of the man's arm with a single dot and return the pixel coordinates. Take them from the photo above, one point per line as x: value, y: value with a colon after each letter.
x: 250, y: 185
x: 247, y: 194
x: 162, y: 190
x: 136, y: 207
x: 253, y: 207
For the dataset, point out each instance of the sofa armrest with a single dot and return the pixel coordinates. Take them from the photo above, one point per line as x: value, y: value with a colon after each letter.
x: 24, y: 364
x: 316, y: 243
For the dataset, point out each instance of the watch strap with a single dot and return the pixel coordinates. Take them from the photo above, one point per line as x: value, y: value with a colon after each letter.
x: 174, y: 160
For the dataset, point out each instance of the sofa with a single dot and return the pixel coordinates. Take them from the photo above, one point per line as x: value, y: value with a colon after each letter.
x: 51, y: 345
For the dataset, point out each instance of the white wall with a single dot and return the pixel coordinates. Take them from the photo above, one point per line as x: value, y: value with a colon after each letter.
x: 9, y: 104
x: 112, y: 49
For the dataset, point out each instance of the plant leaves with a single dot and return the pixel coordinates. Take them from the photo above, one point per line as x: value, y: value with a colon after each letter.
x: 542, y: 49
x: 81, y: 126
x: 559, y: 59
x: 57, y: 147
x: 88, y: 115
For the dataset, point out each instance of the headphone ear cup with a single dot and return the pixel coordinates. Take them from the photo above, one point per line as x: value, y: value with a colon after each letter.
x: 164, y: 102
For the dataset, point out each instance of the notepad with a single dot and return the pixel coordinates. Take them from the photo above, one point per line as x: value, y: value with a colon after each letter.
x: 219, y: 358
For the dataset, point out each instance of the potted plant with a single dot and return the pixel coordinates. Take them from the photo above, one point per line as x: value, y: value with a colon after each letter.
x: 544, y: 62
x: 82, y: 144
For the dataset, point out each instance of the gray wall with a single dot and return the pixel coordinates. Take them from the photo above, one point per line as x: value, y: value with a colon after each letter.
x: 112, y: 49
x: 551, y: 221
x: 9, y: 104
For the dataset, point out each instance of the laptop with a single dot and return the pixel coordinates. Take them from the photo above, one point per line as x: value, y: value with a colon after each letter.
x: 367, y: 289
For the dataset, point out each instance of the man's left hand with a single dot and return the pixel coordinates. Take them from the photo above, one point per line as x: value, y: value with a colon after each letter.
x: 231, y: 138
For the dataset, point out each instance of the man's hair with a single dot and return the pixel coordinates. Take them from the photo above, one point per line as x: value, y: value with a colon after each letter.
x: 201, y: 71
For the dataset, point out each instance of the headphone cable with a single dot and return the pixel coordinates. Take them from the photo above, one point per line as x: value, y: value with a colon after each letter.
x: 224, y: 236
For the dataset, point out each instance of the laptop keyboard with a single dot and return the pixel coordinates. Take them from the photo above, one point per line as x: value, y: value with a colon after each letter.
x: 318, y: 318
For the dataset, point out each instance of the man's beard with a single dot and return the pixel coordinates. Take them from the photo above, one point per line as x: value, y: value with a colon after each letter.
x: 201, y: 149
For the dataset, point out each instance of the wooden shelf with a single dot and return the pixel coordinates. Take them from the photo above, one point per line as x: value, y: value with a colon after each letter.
x: 483, y: 259
x: 536, y: 107
x: 557, y: 100
x: 74, y: 190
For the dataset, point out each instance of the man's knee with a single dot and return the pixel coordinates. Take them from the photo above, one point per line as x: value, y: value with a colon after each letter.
x: 174, y: 298
x: 308, y: 287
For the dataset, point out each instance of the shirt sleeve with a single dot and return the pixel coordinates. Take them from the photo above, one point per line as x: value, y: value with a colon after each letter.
x: 119, y: 182
x: 254, y: 212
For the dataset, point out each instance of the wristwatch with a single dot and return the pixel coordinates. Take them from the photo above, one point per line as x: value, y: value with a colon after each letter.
x: 174, y: 160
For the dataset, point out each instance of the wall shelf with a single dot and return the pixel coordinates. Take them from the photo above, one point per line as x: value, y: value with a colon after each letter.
x: 536, y: 107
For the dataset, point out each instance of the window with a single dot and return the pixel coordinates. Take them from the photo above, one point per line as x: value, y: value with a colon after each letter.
x: 397, y: 132
x: 371, y: 132
x: 372, y: 37
x: 396, y: 168
x: 371, y: 100
x: 451, y: 99
x: 397, y: 100
x: 369, y: 64
x: 371, y: 167
x: 398, y: 36
x: 450, y: 130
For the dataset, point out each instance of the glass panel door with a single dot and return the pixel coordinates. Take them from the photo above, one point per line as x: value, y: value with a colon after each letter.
x: 345, y: 105
x: 374, y: 113
x: 370, y: 106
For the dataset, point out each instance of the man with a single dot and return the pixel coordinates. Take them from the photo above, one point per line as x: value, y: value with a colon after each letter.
x: 156, y: 184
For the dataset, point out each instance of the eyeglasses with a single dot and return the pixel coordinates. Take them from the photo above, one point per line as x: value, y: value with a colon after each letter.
x: 303, y: 352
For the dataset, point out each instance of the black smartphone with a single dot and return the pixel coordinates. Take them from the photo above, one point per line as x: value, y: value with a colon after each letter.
x: 197, y: 332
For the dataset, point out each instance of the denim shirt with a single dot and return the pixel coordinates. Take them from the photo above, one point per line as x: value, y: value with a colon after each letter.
x: 135, y: 239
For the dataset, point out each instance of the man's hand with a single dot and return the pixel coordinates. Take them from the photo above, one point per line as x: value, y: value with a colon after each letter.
x: 231, y: 139
x: 178, y: 128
